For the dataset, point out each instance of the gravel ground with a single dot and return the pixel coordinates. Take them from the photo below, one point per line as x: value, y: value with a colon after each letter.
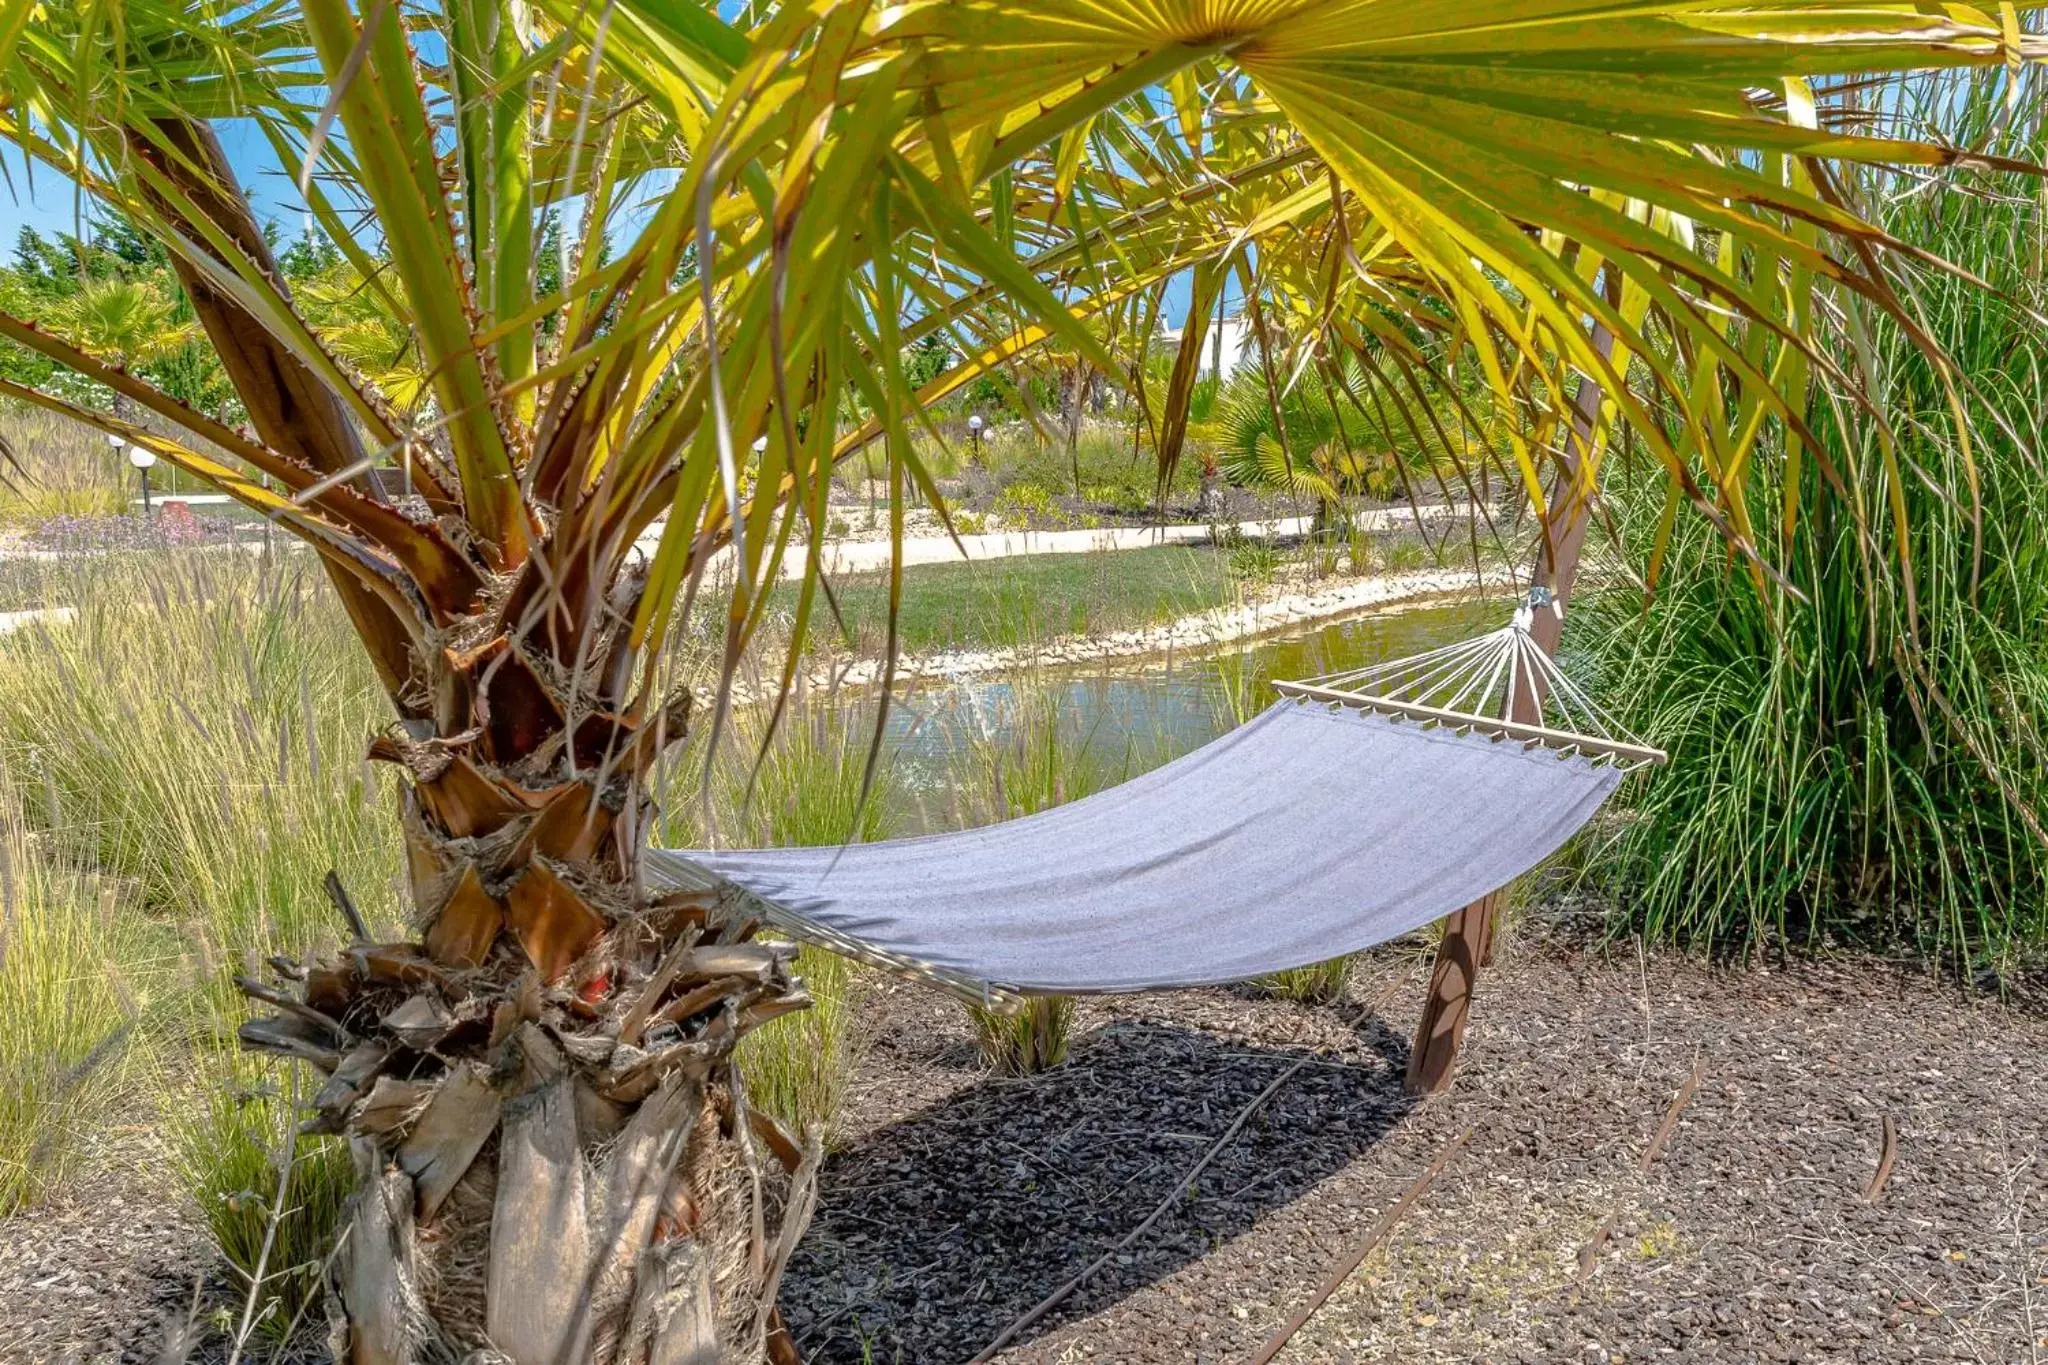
x: 955, y: 1201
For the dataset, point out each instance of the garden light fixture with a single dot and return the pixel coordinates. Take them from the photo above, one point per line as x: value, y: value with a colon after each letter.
x: 143, y: 459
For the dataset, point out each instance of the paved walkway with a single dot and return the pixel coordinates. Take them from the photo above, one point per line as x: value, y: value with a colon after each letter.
x: 870, y: 556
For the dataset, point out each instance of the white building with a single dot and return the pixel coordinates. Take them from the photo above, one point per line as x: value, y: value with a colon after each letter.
x: 1231, y: 342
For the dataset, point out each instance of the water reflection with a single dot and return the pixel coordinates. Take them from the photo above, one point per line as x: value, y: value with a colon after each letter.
x: 1110, y: 720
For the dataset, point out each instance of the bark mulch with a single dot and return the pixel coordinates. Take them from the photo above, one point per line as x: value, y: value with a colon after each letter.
x: 116, y: 1267
x: 954, y: 1202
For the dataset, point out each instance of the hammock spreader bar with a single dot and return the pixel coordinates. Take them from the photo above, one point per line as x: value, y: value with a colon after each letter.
x: 1591, y: 745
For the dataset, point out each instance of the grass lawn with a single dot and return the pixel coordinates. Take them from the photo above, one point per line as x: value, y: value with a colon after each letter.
x: 1017, y: 601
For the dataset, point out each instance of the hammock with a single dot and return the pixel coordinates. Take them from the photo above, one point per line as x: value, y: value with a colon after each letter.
x: 1359, y: 807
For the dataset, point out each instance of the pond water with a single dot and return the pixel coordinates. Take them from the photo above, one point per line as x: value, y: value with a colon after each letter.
x: 1098, y: 724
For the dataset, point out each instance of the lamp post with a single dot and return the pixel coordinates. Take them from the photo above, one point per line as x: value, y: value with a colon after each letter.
x: 143, y: 460
x: 974, y: 426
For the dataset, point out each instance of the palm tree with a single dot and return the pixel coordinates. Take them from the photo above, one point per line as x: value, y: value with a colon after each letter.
x: 556, y: 1155
x: 127, y: 322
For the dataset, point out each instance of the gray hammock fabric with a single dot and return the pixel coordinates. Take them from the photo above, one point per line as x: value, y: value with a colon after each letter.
x: 1311, y: 832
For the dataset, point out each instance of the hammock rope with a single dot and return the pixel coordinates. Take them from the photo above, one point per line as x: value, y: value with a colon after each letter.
x: 1470, y: 686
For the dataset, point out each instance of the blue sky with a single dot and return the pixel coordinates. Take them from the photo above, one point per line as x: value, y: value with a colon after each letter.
x: 44, y: 201
x: 47, y: 203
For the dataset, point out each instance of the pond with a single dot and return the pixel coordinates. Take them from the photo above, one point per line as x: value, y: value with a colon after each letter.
x: 1057, y: 734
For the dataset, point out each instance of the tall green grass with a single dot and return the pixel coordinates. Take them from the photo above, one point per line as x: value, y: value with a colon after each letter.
x: 1034, y: 753
x: 804, y: 785
x: 1862, y: 764
x: 55, y: 468
x: 1320, y: 983
x: 197, y: 729
x: 194, y: 734
x: 74, y: 977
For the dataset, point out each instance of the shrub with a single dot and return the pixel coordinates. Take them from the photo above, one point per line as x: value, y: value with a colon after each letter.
x: 1028, y: 504
x: 1254, y: 561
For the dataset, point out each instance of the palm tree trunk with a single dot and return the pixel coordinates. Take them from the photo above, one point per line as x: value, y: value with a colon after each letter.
x: 1467, y: 941
x: 556, y: 1158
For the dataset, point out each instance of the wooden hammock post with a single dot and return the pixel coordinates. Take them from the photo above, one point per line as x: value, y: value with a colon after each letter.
x: 1467, y: 942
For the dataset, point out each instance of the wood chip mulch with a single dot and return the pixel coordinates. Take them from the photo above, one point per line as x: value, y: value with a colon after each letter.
x: 956, y: 1202
x: 1597, y: 1212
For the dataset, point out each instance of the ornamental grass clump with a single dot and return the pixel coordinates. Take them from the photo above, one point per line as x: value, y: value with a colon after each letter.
x: 196, y: 727
x: 1026, y: 1040
x: 1862, y: 755
x: 1320, y: 983
x: 55, y: 470
x: 74, y: 971
x: 271, y: 1197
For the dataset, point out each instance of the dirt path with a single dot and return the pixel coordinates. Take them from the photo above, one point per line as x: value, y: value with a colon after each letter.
x: 957, y: 1202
